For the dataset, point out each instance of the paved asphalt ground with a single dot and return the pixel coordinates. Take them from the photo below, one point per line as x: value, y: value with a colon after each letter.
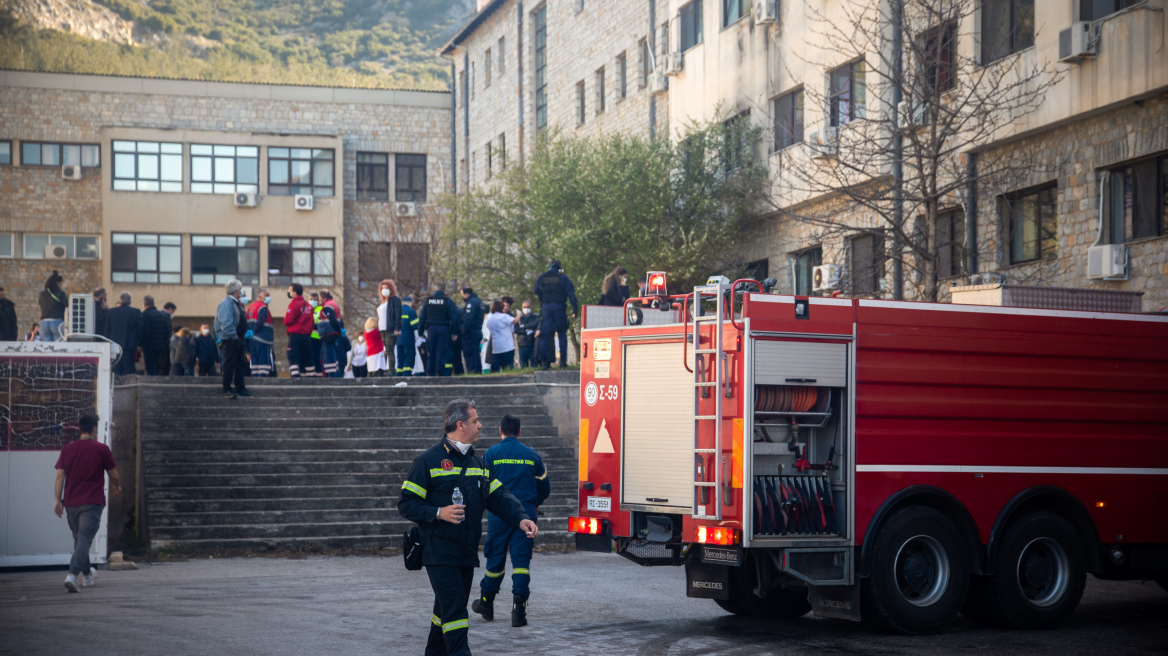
x: 582, y: 604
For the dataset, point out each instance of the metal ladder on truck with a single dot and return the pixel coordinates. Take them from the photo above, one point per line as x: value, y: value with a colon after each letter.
x: 703, y: 482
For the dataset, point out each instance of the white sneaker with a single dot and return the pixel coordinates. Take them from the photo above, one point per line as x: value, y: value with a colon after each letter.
x: 71, y: 584
x: 87, y: 581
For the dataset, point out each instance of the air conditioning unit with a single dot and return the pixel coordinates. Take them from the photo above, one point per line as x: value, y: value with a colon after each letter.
x: 81, y: 317
x: 247, y: 200
x: 766, y: 11
x: 303, y: 202
x: 825, y: 277
x: 407, y: 209
x: 55, y: 252
x: 1077, y: 42
x: 657, y: 83
x: 673, y: 63
x: 1108, y: 262
x: 71, y: 172
x: 823, y: 143
x: 912, y: 116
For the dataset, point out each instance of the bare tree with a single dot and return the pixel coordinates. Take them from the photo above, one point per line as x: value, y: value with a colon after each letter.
x: 894, y: 154
x: 403, y: 249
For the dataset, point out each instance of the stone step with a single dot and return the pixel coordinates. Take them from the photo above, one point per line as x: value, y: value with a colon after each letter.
x: 189, y: 440
x: 326, y: 493
x: 538, y: 427
x: 556, y: 468
x: 304, y: 516
x: 313, y: 406
x: 174, y: 456
x: 529, y: 417
x: 557, y: 503
x: 322, y: 390
x: 298, y: 530
x: 547, y: 537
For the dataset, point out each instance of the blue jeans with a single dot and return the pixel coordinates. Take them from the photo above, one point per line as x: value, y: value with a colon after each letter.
x: 525, y: 353
x: 84, y: 522
x: 51, y: 329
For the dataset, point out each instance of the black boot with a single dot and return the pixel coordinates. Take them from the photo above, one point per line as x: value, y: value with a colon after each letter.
x: 485, y: 606
x: 519, y: 611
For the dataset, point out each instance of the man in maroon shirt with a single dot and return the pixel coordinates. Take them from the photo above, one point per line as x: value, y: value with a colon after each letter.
x: 81, y: 477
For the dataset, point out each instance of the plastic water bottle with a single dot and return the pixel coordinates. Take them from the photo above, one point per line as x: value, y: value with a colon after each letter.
x: 456, y: 498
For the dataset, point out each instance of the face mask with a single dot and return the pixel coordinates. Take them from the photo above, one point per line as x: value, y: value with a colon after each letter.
x: 624, y: 280
x: 462, y: 448
x: 361, y: 339
x: 526, y: 310
x: 267, y: 299
x: 206, y: 332
x: 243, y: 299
x: 312, y: 303
x: 289, y: 294
x: 385, y: 292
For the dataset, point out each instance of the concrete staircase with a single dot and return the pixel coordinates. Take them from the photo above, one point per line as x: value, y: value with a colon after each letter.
x: 316, y: 462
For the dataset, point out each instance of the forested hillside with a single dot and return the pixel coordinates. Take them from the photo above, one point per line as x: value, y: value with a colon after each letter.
x: 358, y: 43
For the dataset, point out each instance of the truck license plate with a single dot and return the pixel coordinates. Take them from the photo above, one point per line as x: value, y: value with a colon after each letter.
x: 603, y: 504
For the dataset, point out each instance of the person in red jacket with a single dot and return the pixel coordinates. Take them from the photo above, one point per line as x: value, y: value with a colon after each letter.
x: 298, y: 320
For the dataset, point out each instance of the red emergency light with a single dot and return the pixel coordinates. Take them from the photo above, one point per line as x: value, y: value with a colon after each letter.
x: 589, y: 525
x: 656, y: 284
x: 715, y: 535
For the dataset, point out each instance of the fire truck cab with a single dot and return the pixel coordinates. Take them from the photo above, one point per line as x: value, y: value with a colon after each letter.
x: 888, y: 461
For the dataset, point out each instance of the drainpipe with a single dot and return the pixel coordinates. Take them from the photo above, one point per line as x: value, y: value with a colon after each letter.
x: 652, y: 49
x: 453, y: 129
x: 897, y: 152
x: 519, y: 72
x: 971, y: 211
x: 466, y: 113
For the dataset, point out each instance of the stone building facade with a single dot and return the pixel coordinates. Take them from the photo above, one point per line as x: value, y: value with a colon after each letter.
x: 361, y: 228
x: 1101, y: 117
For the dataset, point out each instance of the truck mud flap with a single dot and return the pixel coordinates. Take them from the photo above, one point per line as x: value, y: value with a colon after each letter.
x: 841, y: 602
x: 651, y: 554
x: 703, y: 581
x: 600, y: 543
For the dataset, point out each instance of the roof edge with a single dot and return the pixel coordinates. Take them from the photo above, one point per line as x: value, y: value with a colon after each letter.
x: 471, y: 26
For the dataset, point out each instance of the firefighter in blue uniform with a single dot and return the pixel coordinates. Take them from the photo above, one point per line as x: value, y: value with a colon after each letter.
x: 439, y: 319
x: 520, y: 468
x: 472, y: 330
x: 450, y: 531
x: 554, y: 288
x: 404, y: 348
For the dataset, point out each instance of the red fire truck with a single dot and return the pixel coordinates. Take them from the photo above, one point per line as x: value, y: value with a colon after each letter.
x: 892, y: 461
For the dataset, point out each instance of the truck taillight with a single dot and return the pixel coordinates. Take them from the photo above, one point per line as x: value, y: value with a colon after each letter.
x: 715, y: 535
x: 589, y: 525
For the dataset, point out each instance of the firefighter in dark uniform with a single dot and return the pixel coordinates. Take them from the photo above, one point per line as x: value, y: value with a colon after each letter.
x: 439, y: 319
x: 472, y: 330
x: 520, y: 468
x: 554, y: 288
x: 404, y: 348
x: 450, y: 531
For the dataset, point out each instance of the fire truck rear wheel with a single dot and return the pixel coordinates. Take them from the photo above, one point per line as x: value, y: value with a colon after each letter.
x: 1040, y: 573
x: 919, y: 573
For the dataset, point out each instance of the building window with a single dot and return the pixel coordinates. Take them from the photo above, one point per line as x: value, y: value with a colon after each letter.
x: 646, y: 62
x: 374, y: 263
x: 1137, y: 201
x: 410, y: 178
x: 372, y: 176
x: 949, y: 231
x: 736, y: 146
x: 758, y: 269
x: 224, y: 169
x: 867, y: 263
x: 487, y: 69
x: 691, y: 25
x: 503, y: 151
x: 580, y: 115
x: 147, y: 166
x: 413, y: 267
x: 805, y: 263
x: 307, y: 171
x: 1090, y: 10
x: 939, y: 54
x: 303, y: 260
x: 622, y: 77
x: 35, y: 153
x: 462, y: 85
x: 540, y: 21
x: 1007, y: 26
x: 502, y: 56
x: 1031, y: 222
x: 146, y: 258
x: 732, y: 10
x: 490, y: 160
x: 76, y: 247
x: 5, y: 153
x: 7, y: 249
x: 600, y: 90
x: 789, y: 119
x: 848, y: 94
x: 215, y: 260
x: 472, y: 80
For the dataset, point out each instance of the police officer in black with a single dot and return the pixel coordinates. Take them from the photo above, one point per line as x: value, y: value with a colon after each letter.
x: 472, y: 330
x: 439, y: 318
x: 451, y: 531
x: 554, y: 288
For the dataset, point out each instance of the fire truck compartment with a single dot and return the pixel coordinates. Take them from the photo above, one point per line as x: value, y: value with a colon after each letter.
x: 658, y: 435
x: 798, y: 420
